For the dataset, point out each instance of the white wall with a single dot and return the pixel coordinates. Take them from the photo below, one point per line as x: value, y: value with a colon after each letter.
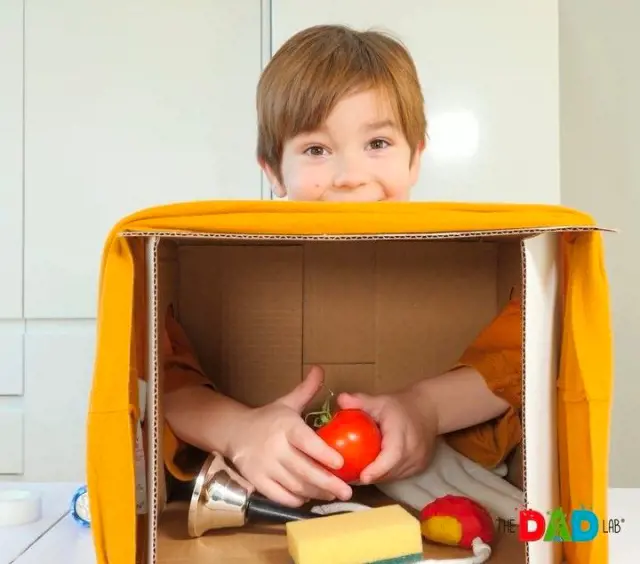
x: 600, y: 91
x: 11, y: 240
x: 489, y: 72
x: 128, y: 105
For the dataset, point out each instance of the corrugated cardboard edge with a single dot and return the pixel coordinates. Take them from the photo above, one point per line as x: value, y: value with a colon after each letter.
x: 523, y: 317
x: 366, y: 236
x: 153, y: 397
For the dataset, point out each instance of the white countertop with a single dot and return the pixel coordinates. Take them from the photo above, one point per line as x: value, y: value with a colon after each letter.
x: 58, y: 539
x: 55, y: 499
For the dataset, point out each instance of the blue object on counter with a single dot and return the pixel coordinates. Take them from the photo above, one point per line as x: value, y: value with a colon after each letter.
x: 80, y: 507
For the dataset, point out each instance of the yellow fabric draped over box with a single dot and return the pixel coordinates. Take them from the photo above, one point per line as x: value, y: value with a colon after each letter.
x: 585, y: 379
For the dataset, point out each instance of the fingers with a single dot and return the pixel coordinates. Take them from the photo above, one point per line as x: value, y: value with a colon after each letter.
x: 320, y: 478
x: 307, y: 441
x: 390, y: 455
x: 304, y: 392
x: 292, y: 474
x: 305, y: 479
x: 309, y: 447
x: 278, y: 493
x: 296, y: 478
x: 350, y: 401
x: 396, y: 473
x: 383, y: 464
x: 370, y: 404
x: 316, y: 376
x: 299, y: 488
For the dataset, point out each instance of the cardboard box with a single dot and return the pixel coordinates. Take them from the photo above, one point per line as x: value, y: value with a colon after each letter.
x: 377, y: 294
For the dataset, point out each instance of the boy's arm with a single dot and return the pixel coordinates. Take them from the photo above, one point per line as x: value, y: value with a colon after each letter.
x: 195, y: 414
x: 203, y: 417
x: 477, y: 403
x: 461, y: 399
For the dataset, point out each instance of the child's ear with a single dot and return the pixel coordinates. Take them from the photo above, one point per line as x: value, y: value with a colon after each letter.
x: 276, y: 186
x: 414, y: 169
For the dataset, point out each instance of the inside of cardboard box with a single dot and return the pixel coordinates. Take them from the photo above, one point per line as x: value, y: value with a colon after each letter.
x: 376, y: 315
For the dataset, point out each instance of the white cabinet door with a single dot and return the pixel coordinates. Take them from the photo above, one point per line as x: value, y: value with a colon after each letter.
x: 489, y: 72
x: 11, y: 442
x: 11, y: 158
x: 59, y: 357
x: 129, y: 105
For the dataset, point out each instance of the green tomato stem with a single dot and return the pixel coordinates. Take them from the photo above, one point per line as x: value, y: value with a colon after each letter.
x: 325, y: 414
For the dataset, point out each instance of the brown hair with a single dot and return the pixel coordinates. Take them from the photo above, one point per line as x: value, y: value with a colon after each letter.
x: 316, y: 68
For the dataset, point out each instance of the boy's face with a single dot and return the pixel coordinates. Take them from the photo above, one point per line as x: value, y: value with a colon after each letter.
x: 360, y: 154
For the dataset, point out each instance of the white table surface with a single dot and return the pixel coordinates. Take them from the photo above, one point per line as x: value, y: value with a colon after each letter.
x: 58, y: 539
x: 55, y: 499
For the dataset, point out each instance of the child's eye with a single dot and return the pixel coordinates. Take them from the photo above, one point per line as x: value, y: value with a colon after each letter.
x: 314, y: 151
x: 378, y: 144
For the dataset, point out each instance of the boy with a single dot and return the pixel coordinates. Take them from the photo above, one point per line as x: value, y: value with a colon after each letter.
x: 341, y: 118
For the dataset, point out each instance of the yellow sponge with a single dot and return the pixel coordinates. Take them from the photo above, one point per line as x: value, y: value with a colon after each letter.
x: 388, y: 533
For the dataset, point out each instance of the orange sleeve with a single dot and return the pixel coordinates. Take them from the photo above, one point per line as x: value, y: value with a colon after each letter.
x: 497, y: 355
x: 181, y: 368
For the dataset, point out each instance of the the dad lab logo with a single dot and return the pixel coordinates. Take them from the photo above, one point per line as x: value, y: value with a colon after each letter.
x: 582, y: 525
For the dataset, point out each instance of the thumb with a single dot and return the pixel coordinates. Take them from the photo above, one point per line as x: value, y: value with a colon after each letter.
x: 298, y: 398
x: 357, y: 401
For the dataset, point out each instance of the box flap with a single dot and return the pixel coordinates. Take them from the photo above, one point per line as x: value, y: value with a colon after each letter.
x: 273, y: 218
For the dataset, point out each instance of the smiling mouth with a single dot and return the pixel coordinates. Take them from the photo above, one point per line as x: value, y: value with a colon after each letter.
x: 355, y: 200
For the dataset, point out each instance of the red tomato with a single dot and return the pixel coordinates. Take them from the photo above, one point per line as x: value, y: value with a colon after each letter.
x: 356, y: 436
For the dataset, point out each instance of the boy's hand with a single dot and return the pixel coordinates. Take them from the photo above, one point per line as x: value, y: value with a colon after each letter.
x: 408, y: 434
x: 275, y: 450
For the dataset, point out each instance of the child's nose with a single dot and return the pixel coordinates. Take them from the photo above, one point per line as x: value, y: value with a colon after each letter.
x: 349, y: 174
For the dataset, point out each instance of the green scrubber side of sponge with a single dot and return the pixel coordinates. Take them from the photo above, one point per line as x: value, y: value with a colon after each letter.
x: 408, y: 559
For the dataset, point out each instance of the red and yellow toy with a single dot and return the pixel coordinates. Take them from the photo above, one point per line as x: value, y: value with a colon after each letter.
x: 459, y: 521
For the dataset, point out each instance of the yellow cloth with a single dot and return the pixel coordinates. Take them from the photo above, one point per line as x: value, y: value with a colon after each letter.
x: 585, y: 379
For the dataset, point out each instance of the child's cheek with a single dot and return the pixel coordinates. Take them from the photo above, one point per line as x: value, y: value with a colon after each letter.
x: 308, y: 182
x: 396, y: 182
x: 398, y: 191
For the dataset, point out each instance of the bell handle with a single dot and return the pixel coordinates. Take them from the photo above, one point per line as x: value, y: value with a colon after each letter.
x: 263, y: 509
